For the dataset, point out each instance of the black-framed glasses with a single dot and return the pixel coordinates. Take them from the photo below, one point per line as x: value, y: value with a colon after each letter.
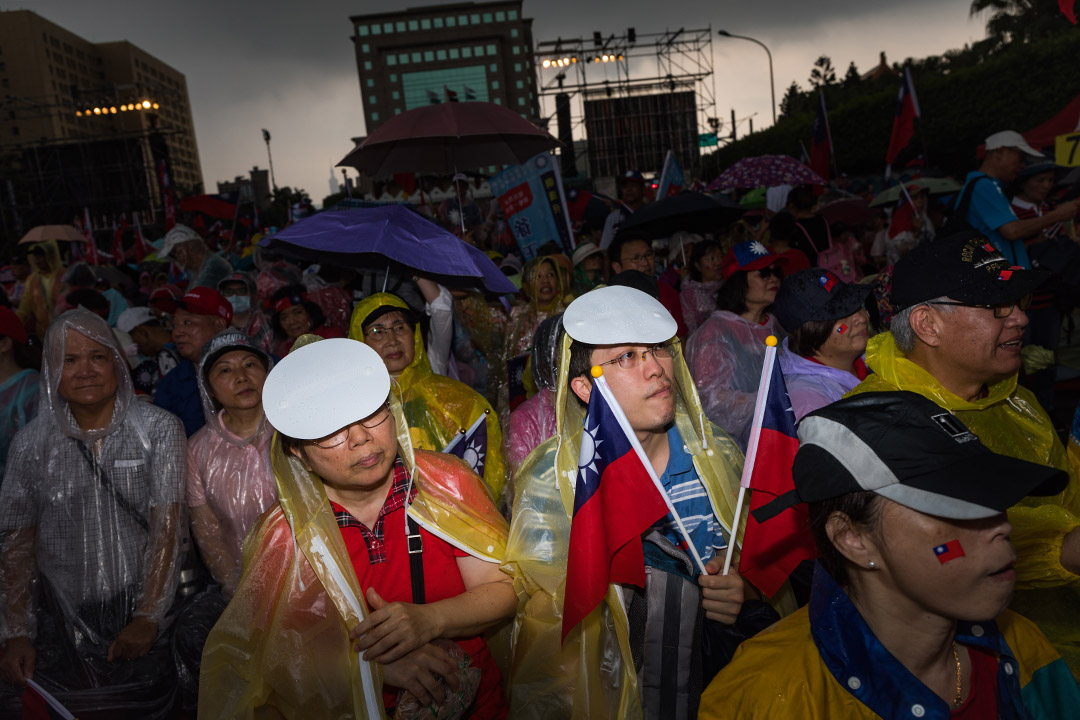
x: 1001, y: 310
x: 632, y: 358
x: 647, y: 256
x: 378, y: 332
x: 371, y: 422
x: 772, y: 271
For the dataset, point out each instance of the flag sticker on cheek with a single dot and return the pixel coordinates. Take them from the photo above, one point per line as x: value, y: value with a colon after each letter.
x: 842, y: 329
x: 949, y: 551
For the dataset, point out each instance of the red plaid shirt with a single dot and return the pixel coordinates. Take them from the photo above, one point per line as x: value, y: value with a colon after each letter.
x: 373, y: 537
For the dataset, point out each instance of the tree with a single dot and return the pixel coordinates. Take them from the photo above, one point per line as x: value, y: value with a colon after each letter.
x: 790, y: 100
x: 851, y: 77
x: 823, y: 72
x: 1020, y: 21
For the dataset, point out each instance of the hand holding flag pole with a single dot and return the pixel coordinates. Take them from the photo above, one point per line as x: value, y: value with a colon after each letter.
x: 752, y: 446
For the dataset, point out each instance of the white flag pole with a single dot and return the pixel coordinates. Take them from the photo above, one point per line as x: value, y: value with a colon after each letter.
x: 617, y: 411
x: 752, y: 445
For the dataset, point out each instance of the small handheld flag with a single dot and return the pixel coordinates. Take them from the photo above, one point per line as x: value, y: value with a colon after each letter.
x: 38, y: 704
x: 471, y: 445
x: 821, y: 144
x: 907, y: 109
x: 949, y: 551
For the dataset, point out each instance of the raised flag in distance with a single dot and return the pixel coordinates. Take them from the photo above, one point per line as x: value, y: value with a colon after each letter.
x: 1068, y: 8
x: 92, y: 256
x: 821, y: 145
x: 471, y: 445
x: 907, y: 109
x: 142, y: 247
x: 770, y: 552
x: 119, y: 228
x: 672, y: 179
x: 615, y: 501
x: 167, y: 196
x: 451, y: 95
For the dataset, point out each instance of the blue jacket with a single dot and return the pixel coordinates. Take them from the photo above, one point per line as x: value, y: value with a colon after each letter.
x: 178, y: 392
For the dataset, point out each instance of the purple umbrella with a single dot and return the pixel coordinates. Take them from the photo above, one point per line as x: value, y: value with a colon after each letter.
x: 365, y: 238
x: 766, y: 171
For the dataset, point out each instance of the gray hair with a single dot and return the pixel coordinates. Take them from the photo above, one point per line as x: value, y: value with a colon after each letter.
x: 900, y: 326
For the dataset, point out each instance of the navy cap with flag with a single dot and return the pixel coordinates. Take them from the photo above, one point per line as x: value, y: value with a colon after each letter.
x: 749, y: 255
x: 815, y: 294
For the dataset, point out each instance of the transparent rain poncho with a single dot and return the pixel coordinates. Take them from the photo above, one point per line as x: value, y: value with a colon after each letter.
x: 533, y: 422
x: 725, y: 356
x: 229, y: 479
x: 1010, y: 421
x: 591, y: 674
x: 282, y: 648
x: 436, y: 407
x: 91, y: 523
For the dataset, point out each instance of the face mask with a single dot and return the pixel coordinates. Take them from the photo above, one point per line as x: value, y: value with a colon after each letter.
x: 240, y: 303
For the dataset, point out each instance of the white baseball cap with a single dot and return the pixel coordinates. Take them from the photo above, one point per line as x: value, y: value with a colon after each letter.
x: 322, y: 387
x: 133, y: 318
x: 618, y: 315
x: 1011, y: 139
x: 179, y: 235
x: 584, y: 250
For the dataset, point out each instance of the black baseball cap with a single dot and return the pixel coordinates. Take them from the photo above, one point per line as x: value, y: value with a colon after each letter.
x: 816, y: 294
x: 964, y: 267
x: 904, y: 447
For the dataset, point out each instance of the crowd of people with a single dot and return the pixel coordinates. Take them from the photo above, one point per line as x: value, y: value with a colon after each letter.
x: 242, y: 485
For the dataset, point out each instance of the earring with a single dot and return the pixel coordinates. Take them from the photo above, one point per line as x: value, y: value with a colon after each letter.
x: 872, y: 564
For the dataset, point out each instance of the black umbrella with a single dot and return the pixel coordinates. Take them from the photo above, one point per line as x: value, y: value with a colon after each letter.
x: 689, y: 211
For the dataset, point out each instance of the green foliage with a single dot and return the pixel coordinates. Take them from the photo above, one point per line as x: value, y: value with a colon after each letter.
x: 964, y: 96
x: 823, y: 73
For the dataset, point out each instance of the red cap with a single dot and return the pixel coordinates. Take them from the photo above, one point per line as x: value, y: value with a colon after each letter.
x: 11, y: 326
x: 749, y: 255
x: 206, y: 301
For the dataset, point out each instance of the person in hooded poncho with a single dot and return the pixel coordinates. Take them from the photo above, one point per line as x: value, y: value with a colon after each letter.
x: 592, y: 673
x: 956, y: 340
x: 533, y: 422
x: 91, y: 523
x: 43, y: 288
x: 304, y: 635
x: 547, y: 292
x: 436, y: 407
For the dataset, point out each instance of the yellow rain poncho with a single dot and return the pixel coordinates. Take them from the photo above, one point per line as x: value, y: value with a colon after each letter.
x: 592, y: 674
x: 436, y: 407
x: 42, y: 291
x: 282, y: 648
x: 1010, y: 421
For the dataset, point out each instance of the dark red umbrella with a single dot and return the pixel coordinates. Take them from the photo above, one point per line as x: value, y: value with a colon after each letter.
x: 850, y: 211
x: 449, y: 137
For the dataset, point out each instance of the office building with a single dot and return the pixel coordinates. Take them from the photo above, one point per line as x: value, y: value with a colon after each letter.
x: 464, y: 51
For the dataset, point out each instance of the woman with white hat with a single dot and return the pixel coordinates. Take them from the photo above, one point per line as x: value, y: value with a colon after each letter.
x: 373, y: 556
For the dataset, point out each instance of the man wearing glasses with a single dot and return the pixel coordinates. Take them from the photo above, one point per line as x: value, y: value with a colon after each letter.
x: 626, y: 254
x: 956, y: 339
x: 607, y: 666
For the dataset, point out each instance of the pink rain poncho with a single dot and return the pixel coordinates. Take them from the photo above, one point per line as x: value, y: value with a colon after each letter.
x: 228, y: 475
x: 725, y: 357
x: 533, y: 422
x: 91, y: 523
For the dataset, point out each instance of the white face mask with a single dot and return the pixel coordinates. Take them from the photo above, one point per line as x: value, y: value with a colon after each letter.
x: 240, y: 303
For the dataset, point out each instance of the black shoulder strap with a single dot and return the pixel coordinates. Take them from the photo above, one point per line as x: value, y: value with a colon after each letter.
x: 106, y: 483
x: 416, y: 559
x: 965, y: 197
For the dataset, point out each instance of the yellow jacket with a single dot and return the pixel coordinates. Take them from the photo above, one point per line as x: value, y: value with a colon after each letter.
x: 1010, y: 421
x: 823, y: 662
x: 592, y: 674
x: 281, y: 649
x: 437, y: 407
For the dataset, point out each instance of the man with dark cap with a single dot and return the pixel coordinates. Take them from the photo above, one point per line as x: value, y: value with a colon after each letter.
x: 632, y: 192
x: 956, y: 339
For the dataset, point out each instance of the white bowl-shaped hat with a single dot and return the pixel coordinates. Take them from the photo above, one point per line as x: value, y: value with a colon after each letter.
x: 618, y: 315
x: 322, y: 387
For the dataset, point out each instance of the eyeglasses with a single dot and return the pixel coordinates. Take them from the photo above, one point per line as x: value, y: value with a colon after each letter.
x: 370, y: 422
x: 378, y: 332
x: 632, y: 358
x: 1001, y: 310
x: 640, y: 257
x: 768, y: 272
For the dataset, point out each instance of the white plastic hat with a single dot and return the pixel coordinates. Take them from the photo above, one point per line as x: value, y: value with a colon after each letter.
x: 322, y: 387
x: 179, y: 235
x: 618, y: 315
x: 133, y: 318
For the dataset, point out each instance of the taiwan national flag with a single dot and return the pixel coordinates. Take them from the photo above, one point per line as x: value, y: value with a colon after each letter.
x: 471, y: 445
x: 821, y: 145
x: 672, y: 179
x: 92, y: 255
x: 118, y: 240
x: 37, y: 704
x: 142, y: 247
x: 907, y: 109
x: 615, y: 501
x: 949, y: 551
x: 773, y: 549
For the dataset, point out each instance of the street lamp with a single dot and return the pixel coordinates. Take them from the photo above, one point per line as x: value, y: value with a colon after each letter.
x: 772, y: 85
x: 266, y: 138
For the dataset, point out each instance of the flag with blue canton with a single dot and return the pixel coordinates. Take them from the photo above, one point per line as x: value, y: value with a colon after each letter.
x: 748, y: 252
x: 821, y: 144
x: 615, y: 501
x: 771, y: 551
x: 672, y: 179
x: 471, y: 445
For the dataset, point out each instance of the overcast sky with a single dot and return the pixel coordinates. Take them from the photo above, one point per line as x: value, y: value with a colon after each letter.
x: 290, y: 67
